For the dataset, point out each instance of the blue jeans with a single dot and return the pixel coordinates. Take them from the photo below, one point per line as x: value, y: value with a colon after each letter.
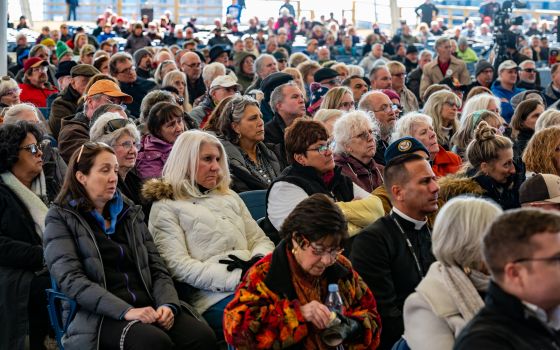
x: 72, y: 11
x: 215, y: 315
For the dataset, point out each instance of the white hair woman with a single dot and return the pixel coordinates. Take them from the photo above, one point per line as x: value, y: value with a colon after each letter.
x: 328, y: 117
x: 123, y: 136
x: 443, y: 106
x: 202, y: 229
x: 9, y: 92
x: 355, y: 137
x: 420, y: 126
x: 479, y: 103
x: 451, y: 293
x: 178, y: 80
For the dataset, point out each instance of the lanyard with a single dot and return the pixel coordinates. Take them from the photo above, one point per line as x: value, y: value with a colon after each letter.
x: 409, y: 245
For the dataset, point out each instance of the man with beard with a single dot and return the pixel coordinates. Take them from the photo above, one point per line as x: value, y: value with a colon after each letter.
x: 393, y: 254
x: 143, y: 60
x: 528, y: 76
x: 381, y: 106
x: 36, y: 87
x: 483, y: 74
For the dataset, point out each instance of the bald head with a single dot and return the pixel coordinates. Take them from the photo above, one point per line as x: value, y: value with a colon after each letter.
x: 191, y: 66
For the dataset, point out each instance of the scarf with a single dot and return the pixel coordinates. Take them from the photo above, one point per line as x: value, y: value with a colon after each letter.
x: 464, y: 288
x: 34, y: 198
x: 308, y: 288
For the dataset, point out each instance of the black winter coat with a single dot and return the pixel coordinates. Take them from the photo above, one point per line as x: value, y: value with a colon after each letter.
x: 21, y: 256
x: 73, y: 257
x: 504, y: 323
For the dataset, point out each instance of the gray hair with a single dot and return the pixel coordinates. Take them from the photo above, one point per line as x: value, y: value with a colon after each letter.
x: 296, y: 58
x: 405, y: 125
x: 324, y: 115
x: 376, y: 69
x: 151, y: 99
x: 232, y: 113
x: 258, y: 64
x: 462, y: 41
x: 354, y: 69
x: 168, y: 81
x: 35, y: 48
x: 157, y: 74
x: 12, y: 113
x: 212, y: 71
x: 440, y: 41
x: 478, y: 103
x: 522, y: 64
x: 550, y: 117
x: 97, y: 130
x: 365, y: 104
x: 8, y: 84
x: 352, y: 124
x: 458, y: 230
x: 277, y: 94
x: 426, y: 53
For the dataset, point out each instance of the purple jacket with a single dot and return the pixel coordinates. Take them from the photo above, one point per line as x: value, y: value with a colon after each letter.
x: 152, y: 156
x: 368, y: 177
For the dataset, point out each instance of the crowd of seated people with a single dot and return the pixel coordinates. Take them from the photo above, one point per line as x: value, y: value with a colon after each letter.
x: 422, y: 183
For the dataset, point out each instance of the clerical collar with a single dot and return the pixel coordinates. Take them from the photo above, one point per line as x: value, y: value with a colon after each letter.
x: 553, y: 321
x: 417, y: 224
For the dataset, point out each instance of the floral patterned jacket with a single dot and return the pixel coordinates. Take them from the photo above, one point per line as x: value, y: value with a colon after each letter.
x: 265, y: 312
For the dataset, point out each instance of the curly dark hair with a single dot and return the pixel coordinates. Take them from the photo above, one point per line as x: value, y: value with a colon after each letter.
x: 315, y: 218
x: 11, y: 137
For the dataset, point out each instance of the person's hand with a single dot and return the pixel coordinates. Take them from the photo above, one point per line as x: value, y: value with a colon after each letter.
x: 165, y: 317
x: 142, y: 314
x: 316, y: 313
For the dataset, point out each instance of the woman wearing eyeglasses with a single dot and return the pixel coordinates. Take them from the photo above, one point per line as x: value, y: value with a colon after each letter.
x: 165, y: 123
x: 123, y: 136
x: 338, y: 98
x: 101, y: 254
x: 202, y: 229
x: 9, y: 92
x: 312, y: 170
x: 252, y: 164
x: 23, y: 204
x: 355, y: 137
x: 443, y: 106
x: 294, y: 280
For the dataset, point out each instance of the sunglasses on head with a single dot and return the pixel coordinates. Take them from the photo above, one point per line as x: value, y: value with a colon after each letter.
x: 115, y: 124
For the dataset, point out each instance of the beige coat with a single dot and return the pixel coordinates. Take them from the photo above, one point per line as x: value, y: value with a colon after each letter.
x: 432, y: 74
x: 431, y: 317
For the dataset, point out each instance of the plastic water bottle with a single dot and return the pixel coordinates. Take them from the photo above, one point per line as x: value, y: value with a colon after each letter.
x: 334, y: 303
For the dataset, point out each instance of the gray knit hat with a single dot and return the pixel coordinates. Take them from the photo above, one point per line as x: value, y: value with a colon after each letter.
x: 480, y: 66
x: 139, y: 54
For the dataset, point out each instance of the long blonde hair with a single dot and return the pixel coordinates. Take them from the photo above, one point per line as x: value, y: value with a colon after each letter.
x: 434, y: 107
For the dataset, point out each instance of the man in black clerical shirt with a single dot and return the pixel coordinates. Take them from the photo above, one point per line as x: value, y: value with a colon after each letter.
x: 393, y: 254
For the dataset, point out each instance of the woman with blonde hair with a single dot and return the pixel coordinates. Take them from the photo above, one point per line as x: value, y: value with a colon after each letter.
x: 307, y: 70
x: 450, y: 294
x: 296, y: 74
x: 296, y: 58
x: 465, y: 134
x: 342, y: 70
x: 548, y: 118
x: 542, y: 155
x: 443, y: 107
x: 328, y: 117
x: 203, y: 230
x: 339, y: 97
x: 178, y: 80
x: 80, y: 40
x: 479, y: 103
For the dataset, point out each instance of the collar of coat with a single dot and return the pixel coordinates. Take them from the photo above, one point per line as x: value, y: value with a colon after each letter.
x: 279, y: 280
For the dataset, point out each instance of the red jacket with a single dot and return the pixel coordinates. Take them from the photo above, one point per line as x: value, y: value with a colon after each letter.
x: 34, y: 95
x: 446, y: 162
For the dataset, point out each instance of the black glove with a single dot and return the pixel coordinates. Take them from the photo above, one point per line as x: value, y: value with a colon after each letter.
x: 347, y: 328
x: 237, y: 263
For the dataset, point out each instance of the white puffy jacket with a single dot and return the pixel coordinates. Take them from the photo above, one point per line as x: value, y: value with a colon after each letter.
x: 192, y: 235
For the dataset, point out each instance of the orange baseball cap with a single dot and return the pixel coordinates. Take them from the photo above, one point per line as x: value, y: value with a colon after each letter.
x: 109, y: 88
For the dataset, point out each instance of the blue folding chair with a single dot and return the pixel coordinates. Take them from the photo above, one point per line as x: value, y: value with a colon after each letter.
x: 255, y: 202
x: 59, y: 316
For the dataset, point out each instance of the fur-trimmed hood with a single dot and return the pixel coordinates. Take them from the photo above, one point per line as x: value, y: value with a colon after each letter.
x: 157, y: 189
x: 458, y: 184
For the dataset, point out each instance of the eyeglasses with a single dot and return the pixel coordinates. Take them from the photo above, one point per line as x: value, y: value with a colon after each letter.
x: 115, y: 124
x: 32, y: 148
x: 127, y: 70
x: 193, y: 65
x: 453, y: 104
x: 529, y: 70
x: 335, y: 81
x: 320, y: 251
x: 365, y: 135
x: 324, y: 149
x: 11, y: 92
x: 387, y: 108
x: 127, y: 145
x: 399, y: 75
x: 110, y: 99
x: 550, y: 259
x: 42, y: 69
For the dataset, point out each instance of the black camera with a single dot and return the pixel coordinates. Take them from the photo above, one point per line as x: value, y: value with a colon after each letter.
x: 502, y: 20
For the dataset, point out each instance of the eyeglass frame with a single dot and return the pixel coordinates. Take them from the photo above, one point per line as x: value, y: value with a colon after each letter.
x: 365, y: 135
x: 127, y: 70
x: 392, y: 108
x: 322, y: 150
x: 317, y: 251
x: 33, y: 148
x: 127, y: 145
x: 554, y: 258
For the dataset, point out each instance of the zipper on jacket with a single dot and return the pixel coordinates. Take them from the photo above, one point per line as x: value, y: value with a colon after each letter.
x: 138, y: 262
